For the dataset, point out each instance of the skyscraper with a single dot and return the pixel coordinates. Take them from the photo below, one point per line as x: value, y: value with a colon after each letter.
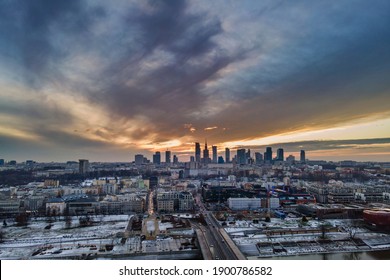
x: 215, y: 154
x: 241, y: 156
x: 280, y: 154
x: 175, y: 159
x: 197, y: 152
x: 83, y: 166
x: 227, y: 155
x: 303, y: 156
x: 206, y: 156
x: 167, y: 156
x: 268, y: 155
x: 139, y: 159
x: 157, y: 158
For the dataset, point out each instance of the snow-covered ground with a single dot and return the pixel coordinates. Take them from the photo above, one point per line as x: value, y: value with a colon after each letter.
x: 56, y: 234
x: 103, y: 238
x: 253, y: 239
x: 164, y: 226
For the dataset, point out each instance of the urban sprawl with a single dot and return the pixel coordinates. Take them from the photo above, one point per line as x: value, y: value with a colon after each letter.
x: 218, y: 205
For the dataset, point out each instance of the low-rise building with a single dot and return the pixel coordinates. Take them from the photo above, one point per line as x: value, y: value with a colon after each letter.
x: 244, y: 203
x: 175, y: 201
x: 9, y: 207
x: 55, y: 206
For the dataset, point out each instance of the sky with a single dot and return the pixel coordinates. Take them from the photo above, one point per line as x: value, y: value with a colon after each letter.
x: 105, y: 80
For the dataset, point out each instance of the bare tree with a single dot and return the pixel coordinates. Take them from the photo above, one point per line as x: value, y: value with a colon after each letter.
x: 352, y: 228
x: 324, y: 229
x: 67, y: 218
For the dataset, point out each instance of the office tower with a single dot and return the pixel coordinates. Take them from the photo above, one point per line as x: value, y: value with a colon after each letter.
x: 303, y: 156
x: 157, y: 158
x: 197, y: 152
x: 175, y: 159
x: 227, y: 155
x: 220, y: 159
x: 258, y: 158
x: 241, y: 156
x: 268, y: 155
x: 192, y: 159
x: 280, y: 154
x: 1, y: 161
x: 167, y: 156
x: 139, y: 159
x: 83, y: 166
x: 215, y: 154
x: 206, y: 156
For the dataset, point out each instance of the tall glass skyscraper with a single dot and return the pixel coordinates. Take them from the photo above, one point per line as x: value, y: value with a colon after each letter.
x: 197, y: 152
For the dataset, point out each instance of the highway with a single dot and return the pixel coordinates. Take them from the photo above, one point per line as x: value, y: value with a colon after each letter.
x: 219, y: 246
x: 222, y: 250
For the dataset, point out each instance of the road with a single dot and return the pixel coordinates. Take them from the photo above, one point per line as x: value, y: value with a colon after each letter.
x: 213, y: 237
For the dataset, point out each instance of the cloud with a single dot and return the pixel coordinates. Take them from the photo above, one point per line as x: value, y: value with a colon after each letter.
x: 211, y: 128
x: 328, y: 74
x: 38, y: 35
x: 136, y: 72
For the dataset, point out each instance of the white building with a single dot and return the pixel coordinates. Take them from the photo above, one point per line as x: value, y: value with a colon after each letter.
x: 244, y: 203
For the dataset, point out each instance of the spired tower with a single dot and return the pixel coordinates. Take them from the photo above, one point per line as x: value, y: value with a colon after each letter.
x: 206, y: 156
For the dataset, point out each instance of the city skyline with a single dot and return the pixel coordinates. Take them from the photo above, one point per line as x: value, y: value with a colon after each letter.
x: 240, y: 155
x: 86, y: 79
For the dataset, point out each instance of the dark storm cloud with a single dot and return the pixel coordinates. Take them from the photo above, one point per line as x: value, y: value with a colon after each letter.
x: 36, y: 35
x: 323, y: 78
x: 164, y: 55
x: 155, y: 66
x: 168, y: 24
x: 171, y: 52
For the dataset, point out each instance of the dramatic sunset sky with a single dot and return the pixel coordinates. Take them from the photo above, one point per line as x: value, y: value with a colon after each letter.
x: 104, y: 80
